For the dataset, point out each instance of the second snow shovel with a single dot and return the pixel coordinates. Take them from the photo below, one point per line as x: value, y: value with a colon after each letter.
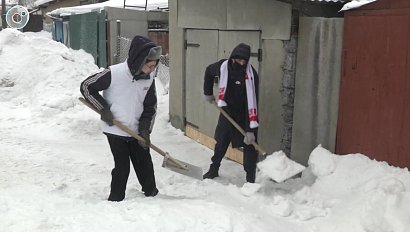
x: 168, y: 162
x: 279, y: 169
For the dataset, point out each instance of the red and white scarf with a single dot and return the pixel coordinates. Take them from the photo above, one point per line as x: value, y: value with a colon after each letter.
x: 250, y: 92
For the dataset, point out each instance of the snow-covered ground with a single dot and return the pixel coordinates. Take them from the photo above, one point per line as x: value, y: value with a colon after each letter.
x: 55, y: 167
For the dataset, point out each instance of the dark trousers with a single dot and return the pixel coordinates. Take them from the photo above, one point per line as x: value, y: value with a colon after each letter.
x: 223, y: 137
x: 123, y: 150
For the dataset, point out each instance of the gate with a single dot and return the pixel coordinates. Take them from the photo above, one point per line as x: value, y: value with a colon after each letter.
x: 204, y: 47
x: 87, y: 31
x: 374, y: 107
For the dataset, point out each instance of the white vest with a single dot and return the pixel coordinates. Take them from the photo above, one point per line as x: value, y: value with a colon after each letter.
x: 126, y: 99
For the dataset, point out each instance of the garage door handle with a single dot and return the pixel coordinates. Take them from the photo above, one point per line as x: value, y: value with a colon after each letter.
x: 257, y: 54
x: 195, y: 45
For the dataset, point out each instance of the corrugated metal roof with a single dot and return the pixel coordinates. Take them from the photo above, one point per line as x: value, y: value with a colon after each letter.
x: 328, y: 0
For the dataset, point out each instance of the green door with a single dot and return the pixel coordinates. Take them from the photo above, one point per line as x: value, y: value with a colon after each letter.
x: 87, y: 32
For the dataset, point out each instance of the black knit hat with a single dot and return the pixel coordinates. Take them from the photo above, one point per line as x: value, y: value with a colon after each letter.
x: 241, y: 51
x: 141, y: 50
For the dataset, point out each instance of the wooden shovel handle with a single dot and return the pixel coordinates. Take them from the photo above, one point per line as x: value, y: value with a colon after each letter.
x: 136, y: 136
x: 230, y: 119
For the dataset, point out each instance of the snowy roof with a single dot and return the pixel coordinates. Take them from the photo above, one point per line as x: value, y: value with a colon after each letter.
x: 350, y: 4
x: 151, y: 5
x: 328, y: 0
x: 42, y: 2
x: 356, y: 4
x: 162, y: 4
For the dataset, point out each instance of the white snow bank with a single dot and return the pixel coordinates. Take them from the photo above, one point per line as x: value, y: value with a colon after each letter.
x: 43, y: 77
x: 321, y: 161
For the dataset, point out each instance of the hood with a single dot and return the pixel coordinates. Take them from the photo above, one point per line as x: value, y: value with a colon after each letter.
x: 141, y: 50
x: 241, y: 51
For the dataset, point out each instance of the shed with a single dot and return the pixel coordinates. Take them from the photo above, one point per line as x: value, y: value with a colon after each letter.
x: 105, y: 29
x: 46, y: 6
x: 374, y: 109
x: 291, y: 42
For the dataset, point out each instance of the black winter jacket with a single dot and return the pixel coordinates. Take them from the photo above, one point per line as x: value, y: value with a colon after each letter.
x: 235, y: 95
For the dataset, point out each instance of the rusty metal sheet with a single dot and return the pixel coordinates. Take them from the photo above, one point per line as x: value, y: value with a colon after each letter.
x: 374, y: 95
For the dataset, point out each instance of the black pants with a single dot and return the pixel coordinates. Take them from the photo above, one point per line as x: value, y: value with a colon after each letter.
x: 123, y: 150
x: 223, y: 137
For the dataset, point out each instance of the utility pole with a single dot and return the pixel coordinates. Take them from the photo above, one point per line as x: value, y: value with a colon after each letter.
x: 3, y: 14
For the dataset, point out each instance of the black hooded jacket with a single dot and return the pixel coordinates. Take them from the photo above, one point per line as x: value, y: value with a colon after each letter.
x: 235, y: 95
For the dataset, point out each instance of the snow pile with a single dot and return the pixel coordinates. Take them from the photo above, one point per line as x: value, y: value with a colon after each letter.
x: 42, y: 76
x: 334, y: 188
x: 279, y: 167
x: 378, y: 193
x: 321, y: 162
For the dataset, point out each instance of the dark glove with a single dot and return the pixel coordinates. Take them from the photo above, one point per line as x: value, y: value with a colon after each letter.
x: 209, y: 98
x: 249, y: 138
x: 145, y: 135
x: 106, y: 116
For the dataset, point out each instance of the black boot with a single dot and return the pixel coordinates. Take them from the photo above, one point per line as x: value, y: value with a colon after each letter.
x: 212, y: 173
x: 152, y: 193
x: 250, y: 177
x: 114, y: 197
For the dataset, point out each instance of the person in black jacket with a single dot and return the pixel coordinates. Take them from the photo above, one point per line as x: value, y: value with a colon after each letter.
x: 129, y: 96
x: 238, y: 96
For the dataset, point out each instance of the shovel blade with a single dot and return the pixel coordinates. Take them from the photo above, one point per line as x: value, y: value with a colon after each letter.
x: 188, y: 170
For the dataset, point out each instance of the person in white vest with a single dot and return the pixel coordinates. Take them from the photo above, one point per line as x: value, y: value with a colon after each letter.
x: 238, y: 84
x: 128, y: 96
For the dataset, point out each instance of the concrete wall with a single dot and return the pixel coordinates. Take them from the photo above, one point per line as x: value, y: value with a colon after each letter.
x: 270, y: 16
x: 133, y: 22
x: 210, y: 14
x: 176, y: 53
x: 317, y: 86
x: 270, y: 100
x: 157, y: 16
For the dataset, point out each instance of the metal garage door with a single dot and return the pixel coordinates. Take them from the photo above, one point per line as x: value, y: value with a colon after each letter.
x: 203, y: 48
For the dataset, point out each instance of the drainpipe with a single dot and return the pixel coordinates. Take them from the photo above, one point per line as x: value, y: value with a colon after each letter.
x: 3, y: 13
x: 118, y: 44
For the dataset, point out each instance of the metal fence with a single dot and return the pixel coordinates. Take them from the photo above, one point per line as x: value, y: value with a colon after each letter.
x: 123, y: 45
x: 162, y: 70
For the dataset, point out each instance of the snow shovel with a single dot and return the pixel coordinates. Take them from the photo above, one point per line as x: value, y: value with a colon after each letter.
x: 282, y: 169
x: 168, y: 162
x: 239, y: 128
